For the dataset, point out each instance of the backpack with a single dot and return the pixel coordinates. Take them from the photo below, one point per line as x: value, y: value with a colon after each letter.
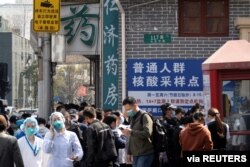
x: 158, y: 137
x: 106, y: 150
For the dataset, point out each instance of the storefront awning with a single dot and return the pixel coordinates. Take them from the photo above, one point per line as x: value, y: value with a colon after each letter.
x: 234, y: 54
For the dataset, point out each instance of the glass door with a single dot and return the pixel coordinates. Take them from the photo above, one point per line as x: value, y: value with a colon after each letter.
x: 236, y: 112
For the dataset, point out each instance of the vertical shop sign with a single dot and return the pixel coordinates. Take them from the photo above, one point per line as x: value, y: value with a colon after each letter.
x: 110, y: 54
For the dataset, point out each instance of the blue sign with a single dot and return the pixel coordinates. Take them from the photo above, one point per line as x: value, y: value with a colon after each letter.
x: 156, y: 81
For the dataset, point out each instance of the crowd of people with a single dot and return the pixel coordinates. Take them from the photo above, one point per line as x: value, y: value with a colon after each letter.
x: 85, y: 136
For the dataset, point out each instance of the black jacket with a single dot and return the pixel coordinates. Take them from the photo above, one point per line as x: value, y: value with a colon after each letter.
x: 218, y: 142
x: 170, y: 126
x: 9, y: 151
x: 98, y: 136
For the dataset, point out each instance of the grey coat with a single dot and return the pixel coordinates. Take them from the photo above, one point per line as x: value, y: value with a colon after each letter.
x: 9, y: 151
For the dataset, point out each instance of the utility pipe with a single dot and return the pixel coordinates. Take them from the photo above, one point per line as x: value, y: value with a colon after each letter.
x: 123, y: 48
x: 143, y: 4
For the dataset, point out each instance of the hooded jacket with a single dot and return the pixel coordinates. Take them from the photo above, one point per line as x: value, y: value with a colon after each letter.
x: 196, y: 137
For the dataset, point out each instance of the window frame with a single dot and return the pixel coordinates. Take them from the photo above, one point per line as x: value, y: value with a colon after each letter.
x: 203, y: 21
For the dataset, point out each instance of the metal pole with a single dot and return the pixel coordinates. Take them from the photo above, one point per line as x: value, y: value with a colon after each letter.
x: 46, y: 75
x: 40, y: 84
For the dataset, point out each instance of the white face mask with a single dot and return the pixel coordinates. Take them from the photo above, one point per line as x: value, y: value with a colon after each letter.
x: 122, y: 120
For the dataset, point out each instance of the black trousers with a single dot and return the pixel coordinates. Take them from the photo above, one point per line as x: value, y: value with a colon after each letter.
x: 125, y: 165
x: 103, y: 164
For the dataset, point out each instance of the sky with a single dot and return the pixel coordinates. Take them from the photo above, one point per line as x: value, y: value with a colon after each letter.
x: 6, y: 1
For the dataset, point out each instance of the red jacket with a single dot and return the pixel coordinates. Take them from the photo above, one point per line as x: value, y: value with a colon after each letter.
x: 195, y: 137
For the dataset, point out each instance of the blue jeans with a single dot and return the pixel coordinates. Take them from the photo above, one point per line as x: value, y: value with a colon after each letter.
x: 143, y: 161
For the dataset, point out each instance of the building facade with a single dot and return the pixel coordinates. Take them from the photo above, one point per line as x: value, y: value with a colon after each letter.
x: 4, y: 25
x: 19, y: 17
x: 197, y: 29
x: 16, y: 51
x: 24, y: 2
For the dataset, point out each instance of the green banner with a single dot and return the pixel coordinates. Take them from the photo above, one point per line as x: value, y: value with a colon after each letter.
x: 110, y: 54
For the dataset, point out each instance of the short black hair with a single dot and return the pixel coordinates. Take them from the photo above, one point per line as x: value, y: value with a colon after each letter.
x: 199, y: 116
x: 89, y: 112
x: 186, y: 120
x: 195, y: 108
x: 108, y: 110
x: 93, y: 105
x: 116, y: 113
x: 81, y: 118
x: 129, y: 100
x: 26, y: 115
x: 84, y: 104
x: 72, y: 106
x: 110, y: 119
x: 41, y: 121
x: 179, y: 110
x: 59, y: 108
x: 99, y: 113
x: 61, y: 103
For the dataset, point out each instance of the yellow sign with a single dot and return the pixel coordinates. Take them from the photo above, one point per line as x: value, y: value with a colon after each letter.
x: 46, y: 15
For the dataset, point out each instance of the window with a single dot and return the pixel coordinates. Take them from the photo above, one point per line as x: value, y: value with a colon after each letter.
x: 203, y: 17
x: 236, y: 112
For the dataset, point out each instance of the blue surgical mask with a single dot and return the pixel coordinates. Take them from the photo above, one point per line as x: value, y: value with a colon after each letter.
x: 131, y: 113
x: 30, y: 131
x: 58, y: 125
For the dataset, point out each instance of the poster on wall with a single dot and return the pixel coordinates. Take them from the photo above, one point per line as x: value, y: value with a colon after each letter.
x: 156, y: 81
x: 206, y: 92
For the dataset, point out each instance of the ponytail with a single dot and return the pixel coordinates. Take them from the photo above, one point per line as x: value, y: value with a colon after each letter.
x: 219, y: 124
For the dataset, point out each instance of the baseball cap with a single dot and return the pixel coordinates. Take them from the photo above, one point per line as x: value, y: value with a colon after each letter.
x: 13, y: 119
x: 166, y: 106
x: 19, y: 122
x: 73, y: 112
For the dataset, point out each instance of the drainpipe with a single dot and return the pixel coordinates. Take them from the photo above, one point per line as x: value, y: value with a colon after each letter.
x: 123, y: 48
